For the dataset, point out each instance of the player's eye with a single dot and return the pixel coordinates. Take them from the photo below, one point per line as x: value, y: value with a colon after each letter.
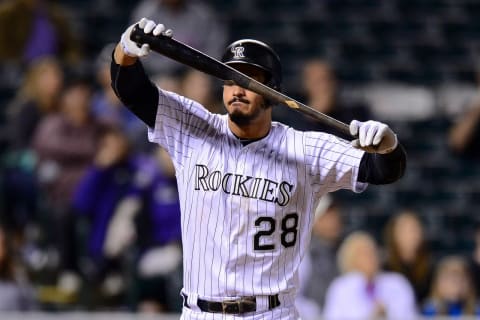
x: 228, y: 83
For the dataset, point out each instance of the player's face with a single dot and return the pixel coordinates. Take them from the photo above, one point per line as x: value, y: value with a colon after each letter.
x: 244, y: 106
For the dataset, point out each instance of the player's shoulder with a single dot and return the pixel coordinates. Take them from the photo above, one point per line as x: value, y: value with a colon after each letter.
x: 280, y: 126
x: 290, y: 134
x: 308, y: 136
x: 189, y: 106
x: 282, y: 131
x: 285, y: 128
x: 288, y: 128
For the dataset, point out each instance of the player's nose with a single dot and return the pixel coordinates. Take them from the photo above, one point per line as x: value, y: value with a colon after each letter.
x: 238, y: 91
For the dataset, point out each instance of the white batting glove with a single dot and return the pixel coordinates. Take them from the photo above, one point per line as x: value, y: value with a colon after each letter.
x: 131, y: 48
x: 373, y: 136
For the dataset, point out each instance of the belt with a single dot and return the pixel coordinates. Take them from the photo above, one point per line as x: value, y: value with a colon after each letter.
x: 236, y: 306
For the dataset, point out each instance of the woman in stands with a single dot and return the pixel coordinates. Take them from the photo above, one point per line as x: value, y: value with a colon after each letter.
x: 407, y: 252
x: 452, y: 292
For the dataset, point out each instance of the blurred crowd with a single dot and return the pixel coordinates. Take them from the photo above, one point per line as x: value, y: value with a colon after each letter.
x: 89, y: 210
x: 351, y: 275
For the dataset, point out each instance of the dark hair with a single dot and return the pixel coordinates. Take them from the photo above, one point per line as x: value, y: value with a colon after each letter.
x: 421, y: 266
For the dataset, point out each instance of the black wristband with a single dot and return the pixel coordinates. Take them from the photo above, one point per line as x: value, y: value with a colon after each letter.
x: 386, y: 168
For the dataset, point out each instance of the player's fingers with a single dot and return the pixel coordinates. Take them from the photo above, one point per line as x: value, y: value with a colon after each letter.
x: 382, y: 130
x: 370, y: 134
x: 159, y: 28
x: 168, y: 33
x: 355, y: 143
x: 362, y: 133
x: 144, y: 50
x: 142, y: 23
x: 149, y: 26
x: 354, y: 124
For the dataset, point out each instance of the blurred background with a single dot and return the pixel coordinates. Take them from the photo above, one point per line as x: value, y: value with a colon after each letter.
x: 89, y: 209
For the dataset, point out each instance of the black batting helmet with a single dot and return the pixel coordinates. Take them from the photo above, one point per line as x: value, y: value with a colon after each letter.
x: 258, y: 54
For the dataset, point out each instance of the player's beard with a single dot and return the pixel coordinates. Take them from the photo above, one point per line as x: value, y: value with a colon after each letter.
x: 241, y: 118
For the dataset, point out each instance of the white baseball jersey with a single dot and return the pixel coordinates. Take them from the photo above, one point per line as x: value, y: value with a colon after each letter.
x: 247, y: 211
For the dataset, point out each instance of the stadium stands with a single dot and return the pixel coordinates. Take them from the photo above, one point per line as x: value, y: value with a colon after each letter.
x: 415, y: 62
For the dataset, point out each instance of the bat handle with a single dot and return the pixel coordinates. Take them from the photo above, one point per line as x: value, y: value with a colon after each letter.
x: 138, y: 35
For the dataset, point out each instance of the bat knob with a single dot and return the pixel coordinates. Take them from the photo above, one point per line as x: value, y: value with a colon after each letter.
x: 135, y: 35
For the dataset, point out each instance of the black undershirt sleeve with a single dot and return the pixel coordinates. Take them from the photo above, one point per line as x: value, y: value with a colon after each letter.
x: 378, y: 168
x: 133, y: 87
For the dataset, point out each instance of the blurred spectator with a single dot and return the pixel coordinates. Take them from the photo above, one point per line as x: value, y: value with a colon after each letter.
x: 36, y: 98
x: 194, y: 23
x: 318, y: 267
x: 131, y: 201
x: 109, y: 109
x: 159, y: 267
x: 109, y: 180
x: 464, y: 134
x: 197, y: 86
x: 452, y: 292
x: 407, y: 253
x: 65, y: 144
x: 321, y: 91
x: 363, y: 291
x: 30, y: 29
x: 15, y: 292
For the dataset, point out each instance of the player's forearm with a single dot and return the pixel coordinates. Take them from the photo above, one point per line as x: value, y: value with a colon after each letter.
x: 133, y: 87
x: 386, y: 168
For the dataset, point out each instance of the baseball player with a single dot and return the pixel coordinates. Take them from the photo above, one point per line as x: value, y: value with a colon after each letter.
x: 248, y: 186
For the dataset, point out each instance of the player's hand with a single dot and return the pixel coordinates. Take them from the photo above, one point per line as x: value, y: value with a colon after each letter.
x: 373, y: 136
x: 131, y: 48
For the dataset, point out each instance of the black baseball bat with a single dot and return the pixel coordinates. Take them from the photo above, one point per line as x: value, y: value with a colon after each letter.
x: 196, y: 59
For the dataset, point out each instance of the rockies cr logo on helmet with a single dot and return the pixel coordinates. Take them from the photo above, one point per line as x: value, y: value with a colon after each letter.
x: 238, y: 52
